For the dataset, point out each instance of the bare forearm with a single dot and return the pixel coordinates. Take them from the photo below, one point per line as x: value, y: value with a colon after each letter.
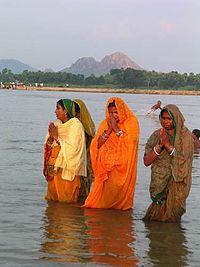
x: 151, y: 156
x: 103, y: 138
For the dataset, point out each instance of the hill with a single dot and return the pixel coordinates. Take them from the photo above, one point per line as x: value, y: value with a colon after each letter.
x: 88, y: 65
x: 15, y: 66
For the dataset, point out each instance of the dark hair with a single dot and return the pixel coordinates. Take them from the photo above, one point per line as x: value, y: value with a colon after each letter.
x: 170, y: 114
x: 60, y: 102
x: 112, y: 104
x: 196, y: 132
x: 77, y: 108
x: 162, y: 111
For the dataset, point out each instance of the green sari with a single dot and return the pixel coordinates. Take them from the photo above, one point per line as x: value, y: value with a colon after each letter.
x: 89, y: 128
x: 171, y: 176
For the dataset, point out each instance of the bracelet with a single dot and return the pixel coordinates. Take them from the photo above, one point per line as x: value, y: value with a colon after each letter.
x: 154, y: 149
x: 172, y: 152
x: 49, y: 143
x: 120, y: 133
x: 57, y: 142
x: 105, y: 135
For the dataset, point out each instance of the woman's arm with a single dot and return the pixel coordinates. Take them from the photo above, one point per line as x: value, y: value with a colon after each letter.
x: 151, y: 156
x: 105, y: 135
x: 103, y: 138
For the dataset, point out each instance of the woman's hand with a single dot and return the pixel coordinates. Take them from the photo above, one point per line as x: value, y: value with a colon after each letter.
x: 53, y: 131
x: 114, y: 124
x: 164, y: 139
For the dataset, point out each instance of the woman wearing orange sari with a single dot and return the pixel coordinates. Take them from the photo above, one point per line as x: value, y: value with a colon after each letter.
x: 114, y: 154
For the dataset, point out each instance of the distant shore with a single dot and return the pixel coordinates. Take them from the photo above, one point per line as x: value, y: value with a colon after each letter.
x: 109, y: 90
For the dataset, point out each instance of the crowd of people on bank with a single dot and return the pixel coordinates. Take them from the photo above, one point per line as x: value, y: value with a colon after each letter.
x: 98, y: 169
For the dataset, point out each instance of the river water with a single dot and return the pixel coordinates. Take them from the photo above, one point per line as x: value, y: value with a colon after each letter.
x: 36, y: 233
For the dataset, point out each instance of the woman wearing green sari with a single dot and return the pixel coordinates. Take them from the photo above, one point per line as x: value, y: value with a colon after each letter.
x: 169, y: 151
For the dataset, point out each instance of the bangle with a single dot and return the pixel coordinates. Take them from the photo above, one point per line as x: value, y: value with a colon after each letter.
x: 172, y: 152
x: 49, y: 143
x: 119, y: 133
x: 105, y: 135
x: 154, y: 149
x: 57, y: 141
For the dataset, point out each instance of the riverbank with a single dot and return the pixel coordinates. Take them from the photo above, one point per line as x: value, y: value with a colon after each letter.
x: 109, y: 90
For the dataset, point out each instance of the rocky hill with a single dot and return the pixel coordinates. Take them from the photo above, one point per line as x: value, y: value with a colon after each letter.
x: 14, y: 65
x: 88, y: 65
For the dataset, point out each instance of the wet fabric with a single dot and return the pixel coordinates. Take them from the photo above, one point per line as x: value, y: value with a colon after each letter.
x: 115, y: 163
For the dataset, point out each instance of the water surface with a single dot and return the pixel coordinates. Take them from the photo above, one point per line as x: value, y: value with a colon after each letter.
x: 36, y: 233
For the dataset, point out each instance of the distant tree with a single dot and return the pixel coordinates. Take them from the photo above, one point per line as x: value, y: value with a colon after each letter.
x: 7, y: 76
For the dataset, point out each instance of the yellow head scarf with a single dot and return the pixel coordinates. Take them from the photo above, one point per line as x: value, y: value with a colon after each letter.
x: 86, y: 118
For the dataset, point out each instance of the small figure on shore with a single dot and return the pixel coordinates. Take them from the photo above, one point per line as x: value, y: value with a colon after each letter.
x: 114, y: 155
x: 65, y: 154
x: 169, y: 151
x: 196, y: 138
x: 155, y: 107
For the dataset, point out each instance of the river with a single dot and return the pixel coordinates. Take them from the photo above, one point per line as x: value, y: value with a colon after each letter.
x: 36, y: 233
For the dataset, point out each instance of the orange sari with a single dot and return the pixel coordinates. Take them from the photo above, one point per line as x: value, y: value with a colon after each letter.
x: 115, y: 163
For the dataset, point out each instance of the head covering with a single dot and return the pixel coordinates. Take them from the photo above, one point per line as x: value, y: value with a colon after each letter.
x: 182, y: 141
x: 85, y: 118
x: 69, y: 107
x: 115, y: 163
x: 123, y: 110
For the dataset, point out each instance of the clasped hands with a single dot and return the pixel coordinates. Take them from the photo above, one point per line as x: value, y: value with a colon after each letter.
x: 112, y: 125
x: 53, y: 132
x: 164, y: 142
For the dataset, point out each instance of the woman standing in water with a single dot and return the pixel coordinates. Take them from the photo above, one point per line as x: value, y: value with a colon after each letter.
x: 64, y: 154
x: 169, y: 151
x: 114, y: 154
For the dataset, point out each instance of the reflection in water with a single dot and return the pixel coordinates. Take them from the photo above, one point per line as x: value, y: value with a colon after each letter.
x: 168, y: 245
x: 64, y: 234
x: 196, y: 152
x: 196, y: 166
x: 111, y: 237
x: 72, y: 234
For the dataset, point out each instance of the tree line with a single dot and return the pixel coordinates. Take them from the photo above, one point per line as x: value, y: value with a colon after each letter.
x: 117, y: 78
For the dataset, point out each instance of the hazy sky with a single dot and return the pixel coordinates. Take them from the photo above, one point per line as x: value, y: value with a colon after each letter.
x: 161, y: 35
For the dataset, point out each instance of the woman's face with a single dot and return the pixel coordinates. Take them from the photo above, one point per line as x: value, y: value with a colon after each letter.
x: 166, y: 121
x: 113, y: 112
x: 60, y: 112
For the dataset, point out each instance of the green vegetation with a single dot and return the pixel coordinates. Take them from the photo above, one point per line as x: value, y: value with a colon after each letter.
x: 117, y: 78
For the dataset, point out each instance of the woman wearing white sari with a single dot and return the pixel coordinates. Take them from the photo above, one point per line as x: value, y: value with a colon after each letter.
x: 64, y: 155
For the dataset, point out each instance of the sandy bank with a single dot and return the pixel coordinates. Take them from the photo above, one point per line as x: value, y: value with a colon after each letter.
x: 109, y: 90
